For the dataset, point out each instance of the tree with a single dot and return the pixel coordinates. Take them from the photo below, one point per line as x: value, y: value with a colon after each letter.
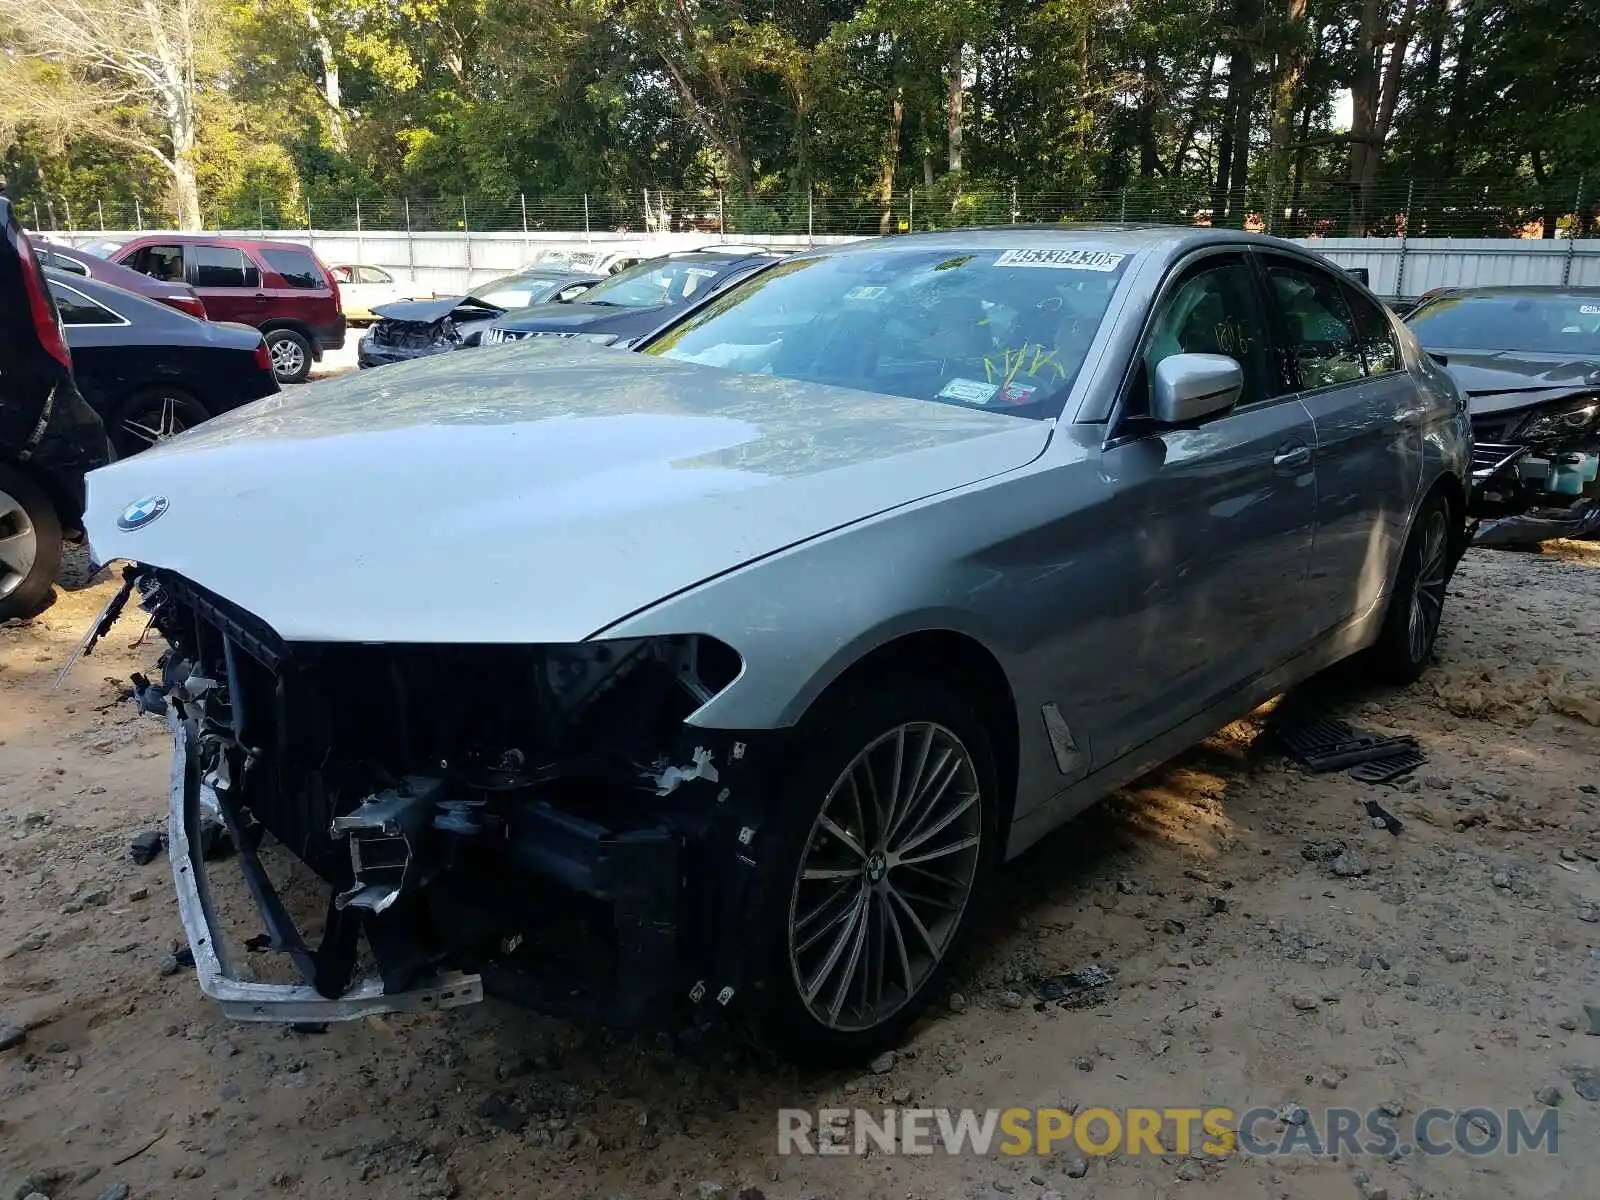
x: 123, y: 71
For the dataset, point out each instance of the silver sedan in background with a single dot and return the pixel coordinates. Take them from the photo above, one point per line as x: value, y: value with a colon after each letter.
x: 756, y: 652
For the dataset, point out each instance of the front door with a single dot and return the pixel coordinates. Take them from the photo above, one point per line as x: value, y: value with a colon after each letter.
x: 1341, y: 358
x: 1212, y: 523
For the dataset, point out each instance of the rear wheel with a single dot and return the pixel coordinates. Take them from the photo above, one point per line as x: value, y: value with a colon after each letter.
x: 152, y: 417
x: 1416, y: 605
x: 291, y: 355
x: 30, y: 545
x: 883, y: 842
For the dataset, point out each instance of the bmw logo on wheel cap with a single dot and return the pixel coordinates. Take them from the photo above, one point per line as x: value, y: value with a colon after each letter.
x: 141, y: 512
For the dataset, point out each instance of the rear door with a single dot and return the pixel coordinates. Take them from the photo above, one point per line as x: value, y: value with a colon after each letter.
x: 1210, y: 524
x: 297, y: 289
x: 1340, y: 358
x: 228, y: 283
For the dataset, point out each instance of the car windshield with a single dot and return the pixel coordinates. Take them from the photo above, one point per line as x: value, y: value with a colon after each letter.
x: 660, y: 281
x: 1537, y: 323
x: 513, y: 291
x: 999, y: 328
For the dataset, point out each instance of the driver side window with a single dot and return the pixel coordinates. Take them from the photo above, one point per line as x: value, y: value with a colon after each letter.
x: 1211, y: 311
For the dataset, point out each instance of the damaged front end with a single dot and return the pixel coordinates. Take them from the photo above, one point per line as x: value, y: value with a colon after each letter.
x: 536, y: 822
x: 1535, y: 471
x: 411, y: 329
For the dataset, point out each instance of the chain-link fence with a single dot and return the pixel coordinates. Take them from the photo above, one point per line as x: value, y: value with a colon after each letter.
x: 1411, y: 208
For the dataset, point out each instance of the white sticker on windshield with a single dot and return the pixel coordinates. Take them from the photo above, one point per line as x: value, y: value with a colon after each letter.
x: 969, y: 391
x: 1061, y: 260
x: 1589, y: 310
x: 864, y: 293
x: 699, y: 272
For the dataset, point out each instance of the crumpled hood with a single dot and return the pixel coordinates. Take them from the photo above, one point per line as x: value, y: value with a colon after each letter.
x: 426, y: 312
x: 1505, y: 380
x: 534, y: 492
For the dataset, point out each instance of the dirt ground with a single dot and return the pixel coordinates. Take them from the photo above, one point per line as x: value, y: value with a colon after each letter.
x: 1446, y: 967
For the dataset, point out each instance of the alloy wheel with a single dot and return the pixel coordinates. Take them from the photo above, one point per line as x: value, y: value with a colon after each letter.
x: 19, y: 544
x: 1427, y: 593
x: 287, y: 358
x: 155, y: 422
x: 885, y: 876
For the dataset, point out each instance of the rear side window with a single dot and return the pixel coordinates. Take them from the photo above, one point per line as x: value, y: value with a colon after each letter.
x: 1321, y: 343
x: 70, y: 265
x: 299, y: 269
x: 159, y: 262
x: 223, y: 267
x: 1378, y: 350
x: 77, y: 309
x: 373, y: 275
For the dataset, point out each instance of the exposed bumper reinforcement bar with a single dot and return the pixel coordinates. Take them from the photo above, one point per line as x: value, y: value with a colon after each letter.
x: 244, y: 1000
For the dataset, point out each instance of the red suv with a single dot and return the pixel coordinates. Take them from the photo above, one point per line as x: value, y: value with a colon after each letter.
x: 282, y: 289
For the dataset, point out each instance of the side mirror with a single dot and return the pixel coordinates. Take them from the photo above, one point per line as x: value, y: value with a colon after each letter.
x: 1361, y: 275
x: 1191, y: 386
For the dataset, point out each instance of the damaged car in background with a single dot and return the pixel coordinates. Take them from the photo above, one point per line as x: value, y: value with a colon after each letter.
x: 721, y: 677
x: 1528, y: 360
x: 408, y: 329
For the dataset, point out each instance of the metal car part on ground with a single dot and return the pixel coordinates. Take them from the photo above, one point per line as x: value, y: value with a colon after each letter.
x: 418, y: 328
x: 49, y: 437
x: 763, y: 647
x: 280, y: 288
x: 150, y: 371
x: 1528, y: 359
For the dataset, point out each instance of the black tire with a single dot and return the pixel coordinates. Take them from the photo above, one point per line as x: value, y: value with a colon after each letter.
x: 827, y: 743
x: 291, y: 355
x: 1405, y: 644
x: 153, y: 416
x: 30, y: 545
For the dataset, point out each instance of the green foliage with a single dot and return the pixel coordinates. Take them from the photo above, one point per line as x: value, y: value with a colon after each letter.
x: 1074, y: 109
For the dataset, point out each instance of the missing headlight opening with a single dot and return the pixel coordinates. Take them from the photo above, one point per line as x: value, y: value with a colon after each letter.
x: 534, y: 821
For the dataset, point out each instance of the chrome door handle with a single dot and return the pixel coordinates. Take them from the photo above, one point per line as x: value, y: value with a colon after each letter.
x: 1291, y: 457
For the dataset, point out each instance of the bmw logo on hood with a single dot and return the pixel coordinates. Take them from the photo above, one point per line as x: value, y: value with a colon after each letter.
x: 141, y: 512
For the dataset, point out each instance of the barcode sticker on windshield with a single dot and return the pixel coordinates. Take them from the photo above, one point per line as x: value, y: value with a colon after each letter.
x: 1061, y: 260
x: 1589, y: 310
x: 969, y: 391
x: 864, y: 293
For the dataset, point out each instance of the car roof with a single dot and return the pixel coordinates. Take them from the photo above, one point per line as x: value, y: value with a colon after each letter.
x: 1126, y: 239
x: 1515, y: 289
x: 554, y: 274
x: 206, y: 239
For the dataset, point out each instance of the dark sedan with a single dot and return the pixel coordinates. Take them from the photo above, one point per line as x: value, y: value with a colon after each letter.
x: 1528, y: 361
x: 410, y: 329
x: 91, y: 266
x: 636, y: 301
x: 152, y: 372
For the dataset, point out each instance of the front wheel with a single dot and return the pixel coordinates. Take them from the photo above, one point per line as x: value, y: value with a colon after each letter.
x: 883, y: 842
x: 1405, y: 645
x: 30, y: 545
x: 290, y: 354
x: 152, y: 417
